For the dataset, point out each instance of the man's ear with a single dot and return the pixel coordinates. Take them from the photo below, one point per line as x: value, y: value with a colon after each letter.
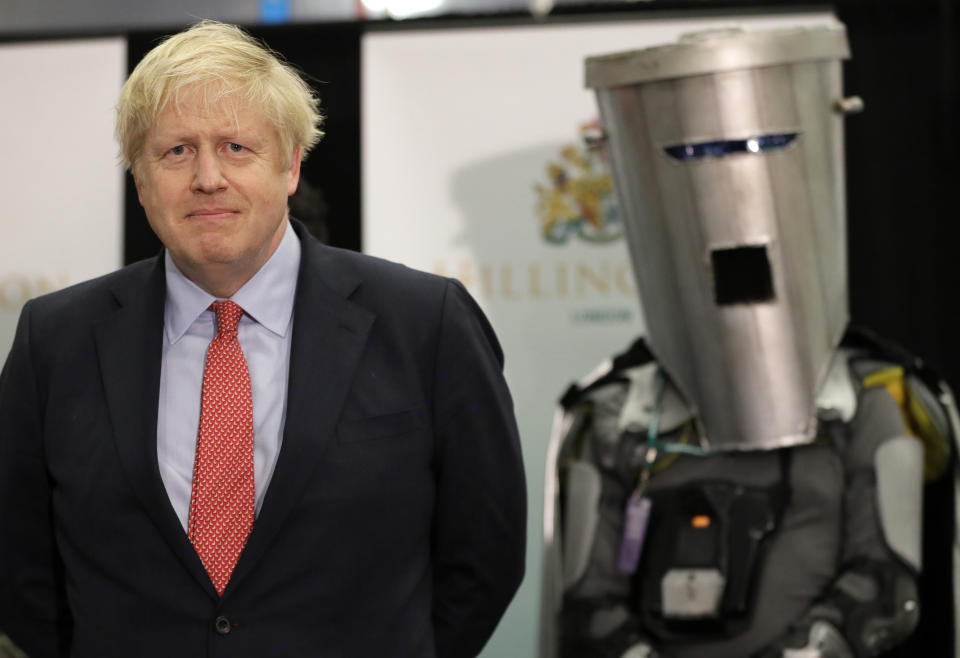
x: 137, y: 183
x: 294, y: 172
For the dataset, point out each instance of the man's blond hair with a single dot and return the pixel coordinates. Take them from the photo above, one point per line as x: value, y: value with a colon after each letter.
x: 219, y: 61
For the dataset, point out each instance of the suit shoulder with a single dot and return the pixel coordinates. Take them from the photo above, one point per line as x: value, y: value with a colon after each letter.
x: 93, y: 295
x: 401, y: 296
x: 384, y: 277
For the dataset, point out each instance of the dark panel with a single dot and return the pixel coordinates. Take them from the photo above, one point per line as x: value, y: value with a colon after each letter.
x: 901, y: 163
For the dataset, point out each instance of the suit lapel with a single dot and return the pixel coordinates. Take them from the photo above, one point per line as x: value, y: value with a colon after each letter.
x: 329, y: 334
x: 129, y: 345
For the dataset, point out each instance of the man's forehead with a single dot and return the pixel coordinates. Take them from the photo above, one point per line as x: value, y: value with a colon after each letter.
x: 198, y: 110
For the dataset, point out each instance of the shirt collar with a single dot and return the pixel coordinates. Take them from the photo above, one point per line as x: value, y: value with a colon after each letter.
x: 267, y: 297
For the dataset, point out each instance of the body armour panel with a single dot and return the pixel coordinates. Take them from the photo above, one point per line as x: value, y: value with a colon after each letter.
x: 814, y: 520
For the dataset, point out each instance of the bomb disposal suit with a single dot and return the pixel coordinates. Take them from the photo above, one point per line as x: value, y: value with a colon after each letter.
x: 747, y: 481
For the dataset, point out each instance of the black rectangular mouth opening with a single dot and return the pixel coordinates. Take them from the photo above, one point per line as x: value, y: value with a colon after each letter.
x: 741, y: 275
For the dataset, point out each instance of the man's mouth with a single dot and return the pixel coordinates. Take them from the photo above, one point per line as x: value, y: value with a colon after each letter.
x: 212, y: 213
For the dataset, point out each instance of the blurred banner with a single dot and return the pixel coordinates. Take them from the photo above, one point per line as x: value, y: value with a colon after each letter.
x: 481, y: 161
x: 60, y: 181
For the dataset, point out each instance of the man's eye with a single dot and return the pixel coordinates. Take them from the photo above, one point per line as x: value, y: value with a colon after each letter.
x: 235, y: 148
x: 178, y: 150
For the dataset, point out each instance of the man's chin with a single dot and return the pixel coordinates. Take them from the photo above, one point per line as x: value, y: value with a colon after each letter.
x: 210, y: 258
x: 222, y: 258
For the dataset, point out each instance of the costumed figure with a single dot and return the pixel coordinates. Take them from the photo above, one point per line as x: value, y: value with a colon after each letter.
x: 746, y: 481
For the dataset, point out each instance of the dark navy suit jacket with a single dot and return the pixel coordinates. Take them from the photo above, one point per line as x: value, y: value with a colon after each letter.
x: 394, y: 524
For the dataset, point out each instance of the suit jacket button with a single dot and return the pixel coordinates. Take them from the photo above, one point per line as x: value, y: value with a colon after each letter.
x: 222, y: 625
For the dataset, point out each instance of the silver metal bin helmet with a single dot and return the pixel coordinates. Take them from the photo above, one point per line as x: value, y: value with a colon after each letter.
x: 727, y: 153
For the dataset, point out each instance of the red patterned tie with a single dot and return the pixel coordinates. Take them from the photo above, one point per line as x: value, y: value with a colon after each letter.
x: 221, y: 502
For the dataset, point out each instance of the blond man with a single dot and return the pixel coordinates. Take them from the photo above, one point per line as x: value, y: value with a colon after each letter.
x: 254, y: 444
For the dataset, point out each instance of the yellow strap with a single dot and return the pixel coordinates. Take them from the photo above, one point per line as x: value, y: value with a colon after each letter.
x: 936, y: 453
x: 892, y: 379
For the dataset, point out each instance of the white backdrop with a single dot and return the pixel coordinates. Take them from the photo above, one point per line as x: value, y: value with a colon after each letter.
x: 473, y: 154
x: 61, y: 214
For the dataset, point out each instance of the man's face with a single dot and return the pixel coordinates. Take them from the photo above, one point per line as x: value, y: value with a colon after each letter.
x: 214, y: 185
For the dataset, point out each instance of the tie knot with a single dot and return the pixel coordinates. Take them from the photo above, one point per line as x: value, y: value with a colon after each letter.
x: 228, y: 316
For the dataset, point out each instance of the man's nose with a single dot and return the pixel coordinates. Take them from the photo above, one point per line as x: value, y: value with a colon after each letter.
x: 208, y: 173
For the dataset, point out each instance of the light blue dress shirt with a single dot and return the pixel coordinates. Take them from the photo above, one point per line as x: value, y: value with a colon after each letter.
x: 264, y: 335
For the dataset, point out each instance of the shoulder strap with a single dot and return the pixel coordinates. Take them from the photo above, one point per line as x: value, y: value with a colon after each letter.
x: 637, y: 354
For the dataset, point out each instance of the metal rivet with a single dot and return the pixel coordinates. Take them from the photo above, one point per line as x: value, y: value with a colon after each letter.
x: 848, y: 105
